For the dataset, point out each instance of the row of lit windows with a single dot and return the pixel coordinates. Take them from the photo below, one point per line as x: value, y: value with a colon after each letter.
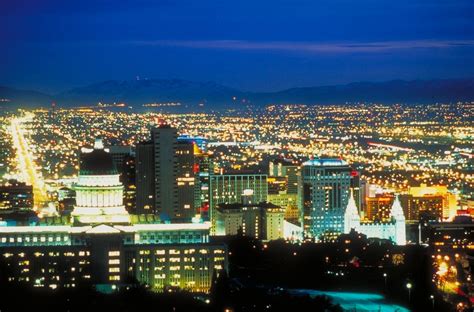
x: 50, y: 254
x: 34, y: 239
x: 174, y: 237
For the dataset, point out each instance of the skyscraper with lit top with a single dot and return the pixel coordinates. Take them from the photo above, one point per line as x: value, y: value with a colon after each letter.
x: 323, y: 192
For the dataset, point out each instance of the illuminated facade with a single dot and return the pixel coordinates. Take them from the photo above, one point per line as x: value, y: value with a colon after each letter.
x: 287, y: 201
x: 378, y: 207
x: 279, y: 194
x: 167, y: 175
x: 228, y: 189
x: 105, y: 246
x: 187, y: 178
x: 99, y: 192
x: 263, y: 221
x: 15, y: 195
x: 160, y: 255
x: 393, y: 229
x: 323, y: 196
x: 436, y: 201
x: 288, y: 170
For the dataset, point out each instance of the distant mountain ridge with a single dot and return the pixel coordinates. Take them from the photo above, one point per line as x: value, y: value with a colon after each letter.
x: 149, y: 91
x: 213, y: 95
x: 389, y: 92
x: 17, y: 97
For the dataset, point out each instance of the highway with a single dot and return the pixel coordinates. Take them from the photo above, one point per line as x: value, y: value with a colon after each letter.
x: 26, y: 168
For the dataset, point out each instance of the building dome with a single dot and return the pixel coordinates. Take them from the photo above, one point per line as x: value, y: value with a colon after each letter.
x: 97, y: 162
x: 99, y: 192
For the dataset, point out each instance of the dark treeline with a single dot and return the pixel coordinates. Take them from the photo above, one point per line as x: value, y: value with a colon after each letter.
x: 353, y: 263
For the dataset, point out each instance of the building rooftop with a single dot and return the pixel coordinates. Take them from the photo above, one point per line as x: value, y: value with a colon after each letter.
x: 265, y: 205
x: 325, y: 162
x: 283, y: 161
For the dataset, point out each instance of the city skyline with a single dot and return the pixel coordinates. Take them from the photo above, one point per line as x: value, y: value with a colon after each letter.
x: 215, y: 156
x: 373, y: 189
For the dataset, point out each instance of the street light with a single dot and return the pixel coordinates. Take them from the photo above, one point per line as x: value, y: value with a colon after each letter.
x: 432, y: 300
x: 385, y: 279
x: 409, y: 285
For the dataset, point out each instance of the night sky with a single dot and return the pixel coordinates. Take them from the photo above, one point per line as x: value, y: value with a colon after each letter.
x: 53, y: 45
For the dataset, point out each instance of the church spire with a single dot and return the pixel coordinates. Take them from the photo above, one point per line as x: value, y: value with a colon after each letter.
x: 351, y: 215
x: 351, y: 209
x: 397, y: 211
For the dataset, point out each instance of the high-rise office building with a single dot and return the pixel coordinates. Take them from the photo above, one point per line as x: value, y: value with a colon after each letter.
x: 124, y: 160
x: 119, y: 153
x: 145, y: 178
x: 378, y: 207
x: 194, y: 167
x: 287, y: 169
x: 156, y: 173
x: 187, y: 178
x: 164, y: 140
x: 167, y: 175
x: 435, y: 201
x: 204, y: 168
x: 323, y: 195
x: 278, y: 195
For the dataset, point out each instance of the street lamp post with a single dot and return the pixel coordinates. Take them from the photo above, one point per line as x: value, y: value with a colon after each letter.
x: 385, y: 279
x: 432, y: 300
x: 409, y: 285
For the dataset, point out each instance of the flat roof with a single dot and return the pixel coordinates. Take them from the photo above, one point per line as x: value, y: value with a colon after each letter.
x: 325, y: 162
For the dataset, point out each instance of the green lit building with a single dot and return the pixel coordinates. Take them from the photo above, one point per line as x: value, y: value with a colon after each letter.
x: 230, y: 189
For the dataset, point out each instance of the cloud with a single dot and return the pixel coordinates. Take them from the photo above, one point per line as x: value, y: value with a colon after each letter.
x: 309, y: 47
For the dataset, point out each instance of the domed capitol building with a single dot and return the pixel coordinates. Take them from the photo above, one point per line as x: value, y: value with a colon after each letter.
x: 102, y: 244
x: 99, y: 192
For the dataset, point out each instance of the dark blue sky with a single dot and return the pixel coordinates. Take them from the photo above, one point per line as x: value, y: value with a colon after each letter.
x: 52, y: 45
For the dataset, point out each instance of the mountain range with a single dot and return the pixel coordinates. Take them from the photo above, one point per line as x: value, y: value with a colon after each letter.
x: 213, y: 95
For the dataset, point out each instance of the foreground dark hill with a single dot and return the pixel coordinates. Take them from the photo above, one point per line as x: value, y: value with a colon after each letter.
x: 190, y: 93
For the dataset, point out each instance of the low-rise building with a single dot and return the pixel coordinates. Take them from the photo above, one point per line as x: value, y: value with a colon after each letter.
x: 263, y: 221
